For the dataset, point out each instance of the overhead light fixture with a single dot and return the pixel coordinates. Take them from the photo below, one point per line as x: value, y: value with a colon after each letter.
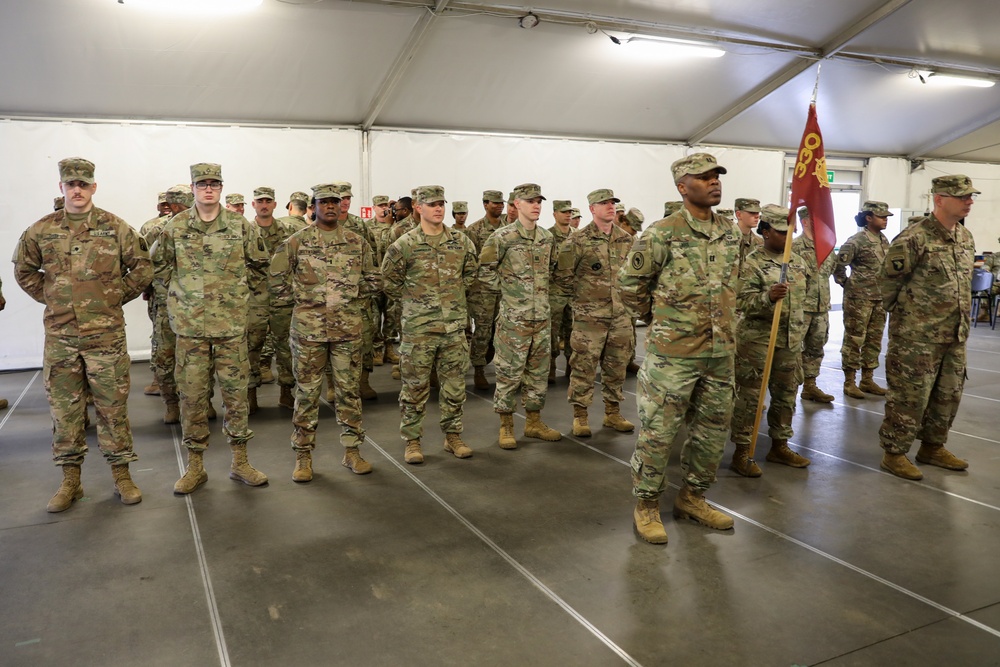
x: 673, y: 47
x: 934, y: 78
x: 195, y: 6
x: 528, y: 21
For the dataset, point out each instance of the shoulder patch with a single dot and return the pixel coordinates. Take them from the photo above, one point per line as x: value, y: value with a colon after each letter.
x: 260, y: 245
x: 638, y: 260
x: 143, y: 245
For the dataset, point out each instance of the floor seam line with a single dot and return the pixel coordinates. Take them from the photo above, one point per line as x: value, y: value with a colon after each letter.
x: 17, y: 402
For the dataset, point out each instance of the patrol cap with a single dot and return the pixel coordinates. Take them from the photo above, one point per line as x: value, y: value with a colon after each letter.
x: 575, y: 213
x: 527, y: 191
x: 561, y: 205
x: 879, y: 208
x: 511, y: 198
x: 635, y: 218
x: 775, y: 216
x: 954, y: 185
x: 619, y: 207
x: 747, y: 205
x: 460, y: 206
x: 671, y: 207
x: 233, y: 199
x: 179, y: 194
x: 326, y: 191
x: 430, y: 193
x: 413, y: 193
x: 161, y: 198
x: 76, y: 169
x: 263, y: 192
x: 804, y: 213
x: 58, y: 204
x: 494, y: 196
x: 299, y: 197
x: 727, y: 212
x: 378, y: 200
x: 603, y: 194
x: 206, y: 171
x: 694, y: 164
x: 345, y: 189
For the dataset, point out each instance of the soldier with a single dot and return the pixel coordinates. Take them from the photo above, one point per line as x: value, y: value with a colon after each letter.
x: 681, y: 277
x: 83, y: 263
x: 403, y: 222
x: 235, y: 203
x: 574, y: 218
x: 927, y: 289
x: 516, y: 261
x: 562, y: 316
x: 484, y: 302
x: 747, y: 212
x: 297, y: 207
x: 204, y: 259
x: 760, y: 290
x: 511, y: 215
x: 816, y: 308
x: 380, y: 226
x: 864, y: 316
x: 327, y: 273
x: 460, y: 213
x: 162, y: 214
x: 602, y: 330
x: 631, y: 222
x: 428, y: 270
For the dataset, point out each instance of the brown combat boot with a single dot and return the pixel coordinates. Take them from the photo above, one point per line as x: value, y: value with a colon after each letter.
x: 937, y: 455
x: 353, y: 461
x: 850, y: 388
x: 479, y: 379
x: 125, y: 488
x: 266, y: 375
x: 366, y: 392
x: 613, y: 419
x: 172, y: 413
x: 780, y: 453
x: 252, y: 406
x: 378, y: 357
x: 194, y: 476
x: 3, y: 403
x: 286, y: 399
x: 648, y: 523
x: 742, y: 464
x: 900, y: 466
x: 536, y: 428
x: 632, y: 367
x: 811, y: 392
x: 690, y: 504
x: 210, y: 412
x: 581, y: 428
x: 69, y: 491
x: 395, y: 373
x: 241, y: 469
x: 453, y: 443
x: 507, y: 439
x: 152, y: 389
x: 552, y: 371
x: 391, y: 356
x: 868, y: 383
x: 303, y: 466
x: 413, y: 453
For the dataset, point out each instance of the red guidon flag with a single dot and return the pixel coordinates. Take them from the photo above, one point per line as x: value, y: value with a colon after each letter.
x: 811, y: 189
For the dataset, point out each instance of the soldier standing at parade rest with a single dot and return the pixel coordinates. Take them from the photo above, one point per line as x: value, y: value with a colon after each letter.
x: 562, y: 316
x: 379, y: 226
x: 162, y: 215
x: 484, y: 303
x: 83, y: 263
x: 235, y: 203
x: 631, y: 221
x: 574, y: 218
x: 747, y: 212
x: 815, y: 308
x: 927, y: 288
x: 681, y: 277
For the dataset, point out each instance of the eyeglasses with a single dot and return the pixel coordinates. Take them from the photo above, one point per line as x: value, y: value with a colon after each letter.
x: 971, y: 197
x: 208, y: 185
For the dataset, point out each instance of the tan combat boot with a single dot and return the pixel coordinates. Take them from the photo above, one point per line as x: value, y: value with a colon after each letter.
x: 3, y: 403
x: 285, y: 398
x: 353, y: 461
x: 266, y: 375
x: 613, y: 419
x: 331, y: 392
x: 780, y: 453
x: 366, y: 392
x: 152, y: 389
x: 172, y: 414
x: 536, y: 428
x: 581, y: 428
x: 69, y: 490
x: 742, y: 464
x: 552, y: 371
x: 125, y: 488
x: 900, y: 466
x: 395, y: 373
x: 303, y: 466
x: 811, y: 392
x: 507, y: 440
x: 690, y: 504
x: 453, y: 443
x: 868, y: 383
x: 241, y: 469
x: 194, y: 476
x: 479, y: 379
x: 378, y: 357
x: 648, y: 523
x: 850, y: 388
x: 210, y: 412
x: 937, y: 455
x: 252, y: 406
x: 391, y: 356
x: 413, y: 453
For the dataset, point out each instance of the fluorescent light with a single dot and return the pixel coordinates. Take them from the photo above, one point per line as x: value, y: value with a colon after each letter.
x: 196, y: 7
x: 955, y: 80
x: 673, y: 47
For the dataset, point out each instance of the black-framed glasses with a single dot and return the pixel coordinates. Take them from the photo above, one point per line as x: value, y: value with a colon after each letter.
x: 208, y: 185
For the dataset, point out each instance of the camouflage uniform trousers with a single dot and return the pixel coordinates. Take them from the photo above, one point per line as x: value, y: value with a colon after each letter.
x: 393, y: 313
x: 198, y: 359
x: 310, y: 359
x: 449, y: 353
x: 483, y: 307
x: 672, y: 391
x: 606, y: 343
x: 74, y: 365
x: 279, y: 327
x: 163, y: 356
x: 817, y: 334
x: 786, y: 376
x: 562, y: 325
x: 864, y: 322
x: 267, y: 352
x: 925, y: 388
x: 256, y: 335
x: 368, y: 336
x: 522, y: 364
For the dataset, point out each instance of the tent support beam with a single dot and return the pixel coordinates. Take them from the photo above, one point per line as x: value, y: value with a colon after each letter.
x: 957, y: 133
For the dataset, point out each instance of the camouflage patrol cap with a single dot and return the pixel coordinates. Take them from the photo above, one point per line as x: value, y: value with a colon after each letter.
x: 494, y: 196
x: 575, y: 213
x: 161, y: 198
x: 879, y: 208
x: 694, y: 164
x: 619, y: 207
x: 430, y: 193
x: 263, y: 192
x: 561, y: 205
x: 206, y: 171
x: 511, y: 198
x: 671, y: 207
x: 59, y: 203
x: 527, y: 191
x: 180, y: 194
x: 460, y: 206
x: 603, y: 194
x: 775, y: 216
x: 326, y: 191
x: 726, y: 212
x: 413, y: 193
x: 76, y: 169
x: 345, y: 189
x: 299, y: 197
x: 234, y: 199
x: 804, y: 213
x: 378, y: 200
x: 635, y: 218
x: 954, y: 185
x: 747, y: 205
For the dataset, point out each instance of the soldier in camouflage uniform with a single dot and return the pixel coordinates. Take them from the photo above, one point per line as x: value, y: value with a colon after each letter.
x: 83, y: 263
x: 631, y: 221
x: 562, y: 316
x: 297, y: 207
x: 747, y: 212
x: 602, y: 329
x: 162, y: 215
x: 517, y: 260
x: 574, y: 218
x: 429, y: 270
x: 815, y: 308
x: 864, y: 316
x: 235, y: 203
x: 403, y: 222
x: 484, y: 302
x: 204, y: 259
x: 760, y: 290
x: 328, y: 274
x: 927, y: 288
x: 379, y: 226
x: 681, y: 277
x: 459, y: 213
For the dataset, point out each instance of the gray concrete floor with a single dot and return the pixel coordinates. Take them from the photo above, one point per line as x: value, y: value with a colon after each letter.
x: 522, y: 557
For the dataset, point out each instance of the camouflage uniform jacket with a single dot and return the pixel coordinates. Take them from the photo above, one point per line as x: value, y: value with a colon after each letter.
x: 151, y: 228
x: 817, y: 299
x: 586, y: 271
x: 204, y: 266
x: 759, y: 272
x: 927, y: 282
x: 328, y: 278
x: 748, y: 243
x: 296, y: 222
x: 273, y: 236
x: 517, y: 264
x: 355, y: 224
x: 481, y: 230
x: 430, y: 281
x: 82, y: 277
x: 864, y: 253
x: 399, y: 228
x: 681, y: 276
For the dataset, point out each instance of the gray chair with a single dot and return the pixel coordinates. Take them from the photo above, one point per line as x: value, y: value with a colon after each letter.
x: 982, y: 284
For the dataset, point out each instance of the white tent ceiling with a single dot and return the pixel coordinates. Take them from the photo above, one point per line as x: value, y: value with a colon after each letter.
x: 469, y: 66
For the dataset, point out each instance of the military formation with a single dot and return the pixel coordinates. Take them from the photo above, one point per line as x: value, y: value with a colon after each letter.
x: 324, y: 295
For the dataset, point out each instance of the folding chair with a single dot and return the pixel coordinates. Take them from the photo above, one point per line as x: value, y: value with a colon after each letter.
x: 982, y: 284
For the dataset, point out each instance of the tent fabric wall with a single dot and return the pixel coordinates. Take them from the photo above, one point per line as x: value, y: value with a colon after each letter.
x: 984, y: 220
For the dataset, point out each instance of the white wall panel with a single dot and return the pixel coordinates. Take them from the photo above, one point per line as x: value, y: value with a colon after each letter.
x: 984, y: 219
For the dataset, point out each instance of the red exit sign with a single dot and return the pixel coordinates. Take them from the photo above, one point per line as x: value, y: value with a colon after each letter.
x: 367, y: 212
